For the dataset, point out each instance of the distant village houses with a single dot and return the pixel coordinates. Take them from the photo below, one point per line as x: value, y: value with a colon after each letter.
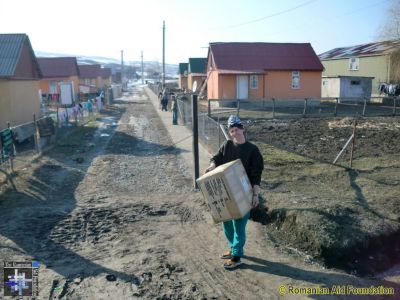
x: 55, y: 71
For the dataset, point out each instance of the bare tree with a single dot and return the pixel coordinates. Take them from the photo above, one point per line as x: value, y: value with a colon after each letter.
x: 390, y: 30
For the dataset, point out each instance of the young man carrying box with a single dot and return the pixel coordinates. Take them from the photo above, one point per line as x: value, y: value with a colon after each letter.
x: 249, y: 154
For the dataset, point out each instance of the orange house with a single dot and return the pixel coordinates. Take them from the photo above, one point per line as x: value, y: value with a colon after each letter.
x: 56, y: 70
x: 93, y: 78
x: 263, y: 70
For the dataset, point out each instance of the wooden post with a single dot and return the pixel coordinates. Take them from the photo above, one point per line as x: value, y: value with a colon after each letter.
x: 238, y: 107
x: 344, y: 148
x: 10, y: 157
x: 273, y: 108
x: 365, y: 107
x: 394, y: 106
x: 35, y: 137
x: 336, y: 105
x: 195, y: 129
x: 352, y: 145
x: 219, y: 134
x: 58, y: 120
x: 305, y: 108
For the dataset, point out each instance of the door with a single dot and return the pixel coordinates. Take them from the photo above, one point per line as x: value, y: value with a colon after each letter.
x: 242, y: 87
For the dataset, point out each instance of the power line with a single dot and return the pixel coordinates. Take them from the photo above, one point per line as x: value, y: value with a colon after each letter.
x: 273, y: 15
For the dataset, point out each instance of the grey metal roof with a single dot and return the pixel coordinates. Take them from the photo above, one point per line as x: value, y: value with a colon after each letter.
x: 370, y: 49
x: 11, y: 46
x: 10, y: 51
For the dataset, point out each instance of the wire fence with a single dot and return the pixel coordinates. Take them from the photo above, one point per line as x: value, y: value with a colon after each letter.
x: 34, y: 137
x: 317, y: 130
x: 302, y: 108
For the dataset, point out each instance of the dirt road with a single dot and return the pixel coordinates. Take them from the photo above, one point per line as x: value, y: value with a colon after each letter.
x: 113, y: 216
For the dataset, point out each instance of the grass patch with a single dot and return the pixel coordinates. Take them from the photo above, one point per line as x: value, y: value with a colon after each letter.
x: 75, y: 138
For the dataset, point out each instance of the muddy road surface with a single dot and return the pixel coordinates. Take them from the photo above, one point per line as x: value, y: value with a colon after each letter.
x: 111, y: 214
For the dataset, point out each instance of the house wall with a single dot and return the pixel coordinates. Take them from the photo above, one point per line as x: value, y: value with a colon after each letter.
x: 278, y: 84
x: 189, y: 82
x: 257, y: 93
x: 183, y: 82
x: 227, y: 87
x: 25, y: 68
x: 44, y: 84
x: 212, y: 85
x: 330, y: 87
x: 371, y: 66
x: 19, y: 100
x: 192, y: 79
x: 361, y: 90
x: 90, y: 81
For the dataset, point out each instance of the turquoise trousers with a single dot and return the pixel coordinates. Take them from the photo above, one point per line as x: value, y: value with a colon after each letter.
x: 235, y: 232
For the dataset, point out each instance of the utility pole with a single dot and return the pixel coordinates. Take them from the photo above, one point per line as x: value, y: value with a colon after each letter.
x: 195, y: 147
x: 122, y: 68
x: 142, y: 68
x: 163, y: 57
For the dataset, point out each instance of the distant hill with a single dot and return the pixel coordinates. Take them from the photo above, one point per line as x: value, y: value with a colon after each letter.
x: 115, y: 65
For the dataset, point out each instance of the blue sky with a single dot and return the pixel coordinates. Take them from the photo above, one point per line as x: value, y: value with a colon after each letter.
x: 104, y: 28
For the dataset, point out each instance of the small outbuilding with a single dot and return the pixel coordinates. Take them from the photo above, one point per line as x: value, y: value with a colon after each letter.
x: 347, y: 88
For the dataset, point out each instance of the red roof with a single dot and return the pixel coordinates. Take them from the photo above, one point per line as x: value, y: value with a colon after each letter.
x: 53, y: 67
x: 105, y: 72
x: 89, y: 71
x: 259, y: 57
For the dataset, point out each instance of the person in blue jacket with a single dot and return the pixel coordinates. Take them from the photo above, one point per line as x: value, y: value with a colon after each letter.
x: 250, y: 155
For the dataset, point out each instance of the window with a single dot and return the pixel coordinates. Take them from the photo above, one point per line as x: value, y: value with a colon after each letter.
x: 295, y: 79
x: 253, y: 81
x: 354, y: 63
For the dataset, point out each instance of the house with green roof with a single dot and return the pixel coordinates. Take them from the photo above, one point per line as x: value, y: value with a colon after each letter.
x: 19, y: 80
x: 183, y: 75
x: 196, y: 73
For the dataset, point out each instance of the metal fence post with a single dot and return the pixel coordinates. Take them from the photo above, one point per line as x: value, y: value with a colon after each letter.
x: 219, y: 135
x: 35, y: 137
x: 353, y: 143
x: 336, y: 105
x: 238, y: 107
x: 209, y: 108
x: 305, y: 107
x: 365, y: 106
x: 273, y: 108
x: 195, y: 128
x: 394, y: 106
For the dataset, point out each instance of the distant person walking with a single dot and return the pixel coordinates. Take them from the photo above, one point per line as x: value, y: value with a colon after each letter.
x: 164, y: 100
x: 174, y: 108
x: 249, y: 154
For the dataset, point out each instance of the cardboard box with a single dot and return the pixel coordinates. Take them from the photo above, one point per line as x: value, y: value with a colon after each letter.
x: 227, y: 191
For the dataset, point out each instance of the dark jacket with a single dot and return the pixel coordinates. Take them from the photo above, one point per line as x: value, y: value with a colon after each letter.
x: 248, y: 153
